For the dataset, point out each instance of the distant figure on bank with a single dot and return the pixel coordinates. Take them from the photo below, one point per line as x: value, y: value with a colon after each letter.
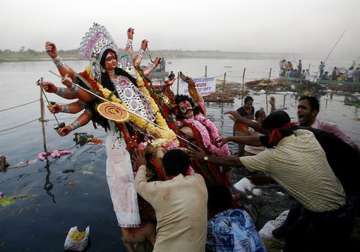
x: 180, y: 203
x: 321, y: 69
x: 334, y: 74
x: 299, y: 68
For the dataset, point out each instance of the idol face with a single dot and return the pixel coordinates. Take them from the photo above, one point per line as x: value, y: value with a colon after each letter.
x: 186, y: 109
x: 111, y: 61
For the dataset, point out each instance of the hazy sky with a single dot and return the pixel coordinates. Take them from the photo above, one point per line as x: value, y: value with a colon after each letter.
x: 303, y: 26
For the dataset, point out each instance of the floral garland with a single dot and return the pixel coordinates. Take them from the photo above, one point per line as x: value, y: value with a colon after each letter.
x: 162, y: 132
x: 209, y: 134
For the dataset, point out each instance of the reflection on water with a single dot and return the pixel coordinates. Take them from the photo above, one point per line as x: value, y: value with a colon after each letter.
x: 48, y: 186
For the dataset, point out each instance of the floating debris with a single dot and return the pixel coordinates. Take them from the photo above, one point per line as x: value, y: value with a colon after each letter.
x: 6, y: 201
x: 77, y: 240
x: 54, y: 154
x: 9, y: 200
x: 84, y: 138
x: 68, y: 171
x: 3, y: 164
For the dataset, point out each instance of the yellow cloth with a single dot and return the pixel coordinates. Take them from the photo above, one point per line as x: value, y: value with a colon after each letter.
x: 299, y: 164
x: 181, y: 211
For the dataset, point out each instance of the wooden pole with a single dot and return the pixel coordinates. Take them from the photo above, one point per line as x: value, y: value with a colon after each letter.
x: 223, y: 87
x: 284, y: 101
x: 177, y: 84
x: 42, y: 119
x: 266, y: 91
x: 243, y: 86
x: 222, y: 106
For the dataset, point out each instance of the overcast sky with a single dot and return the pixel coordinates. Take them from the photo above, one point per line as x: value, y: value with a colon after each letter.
x: 294, y: 26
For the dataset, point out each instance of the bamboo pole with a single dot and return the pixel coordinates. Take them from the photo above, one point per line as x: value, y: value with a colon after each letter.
x: 42, y: 119
x: 223, y: 87
x: 266, y: 92
x: 177, y: 84
x: 243, y: 86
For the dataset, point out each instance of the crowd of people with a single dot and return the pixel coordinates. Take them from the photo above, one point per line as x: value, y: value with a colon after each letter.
x: 180, y: 198
x: 351, y: 74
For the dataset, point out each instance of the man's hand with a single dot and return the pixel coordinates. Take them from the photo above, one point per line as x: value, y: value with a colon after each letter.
x: 233, y: 115
x: 197, y: 154
x: 64, y: 130
x: 51, y: 49
x: 48, y: 87
x: 144, y: 44
x: 55, y: 108
x: 139, y: 158
x: 130, y: 33
x: 225, y: 140
x: 67, y: 81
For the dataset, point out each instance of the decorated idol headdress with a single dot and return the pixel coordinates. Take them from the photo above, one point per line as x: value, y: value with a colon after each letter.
x: 93, y: 45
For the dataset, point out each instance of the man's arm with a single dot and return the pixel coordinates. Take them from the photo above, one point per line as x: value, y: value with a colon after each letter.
x: 250, y: 123
x: 221, y: 160
x: 248, y: 140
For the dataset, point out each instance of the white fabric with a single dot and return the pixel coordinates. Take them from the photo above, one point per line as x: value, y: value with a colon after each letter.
x: 266, y: 231
x: 120, y: 178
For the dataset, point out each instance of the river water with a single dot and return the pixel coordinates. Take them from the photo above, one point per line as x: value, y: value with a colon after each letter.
x: 72, y: 190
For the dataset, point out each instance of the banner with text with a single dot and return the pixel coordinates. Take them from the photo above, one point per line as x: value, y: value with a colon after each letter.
x: 205, y: 86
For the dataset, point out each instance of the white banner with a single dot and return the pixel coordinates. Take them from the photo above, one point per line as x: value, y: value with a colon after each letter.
x: 205, y: 86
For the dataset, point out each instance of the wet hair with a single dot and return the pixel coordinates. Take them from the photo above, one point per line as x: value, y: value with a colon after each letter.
x: 248, y: 98
x: 275, y: 120
x: 220, y: 198
x: 182, y: 98
x: 176, y: 161
x: 313, y: 101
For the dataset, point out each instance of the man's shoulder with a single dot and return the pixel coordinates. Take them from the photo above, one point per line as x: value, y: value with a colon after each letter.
x: 324, y: 125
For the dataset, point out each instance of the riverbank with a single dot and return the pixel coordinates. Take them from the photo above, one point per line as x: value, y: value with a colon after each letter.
x: 32, y: 55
